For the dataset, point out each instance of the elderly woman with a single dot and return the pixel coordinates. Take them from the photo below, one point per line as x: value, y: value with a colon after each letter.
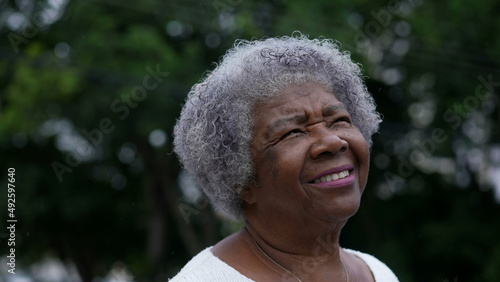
x: 279, y: 135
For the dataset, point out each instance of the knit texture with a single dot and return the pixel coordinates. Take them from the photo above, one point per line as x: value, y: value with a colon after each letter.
x: 207, y: 267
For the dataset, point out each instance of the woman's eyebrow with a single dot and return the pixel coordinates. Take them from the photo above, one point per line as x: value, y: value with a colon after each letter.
x: 331, y: 109
x: 282, y: 122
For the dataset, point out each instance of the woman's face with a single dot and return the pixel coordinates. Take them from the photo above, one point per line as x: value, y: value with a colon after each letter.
x: 310, y: 160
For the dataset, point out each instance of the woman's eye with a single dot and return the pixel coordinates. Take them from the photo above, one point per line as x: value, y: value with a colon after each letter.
x: 342, y: 120
x: 292, y: 133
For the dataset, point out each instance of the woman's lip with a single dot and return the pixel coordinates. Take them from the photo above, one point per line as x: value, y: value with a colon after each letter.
x: 339, y: 183
x: 333, y: 170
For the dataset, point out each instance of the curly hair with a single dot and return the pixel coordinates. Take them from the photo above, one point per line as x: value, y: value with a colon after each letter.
x: 215, y: 128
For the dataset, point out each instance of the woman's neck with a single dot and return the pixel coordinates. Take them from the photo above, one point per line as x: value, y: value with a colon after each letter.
x: 302, y: 253
x: 306, y: 239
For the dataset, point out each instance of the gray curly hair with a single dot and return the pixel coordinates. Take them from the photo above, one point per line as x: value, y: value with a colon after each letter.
x: 215, y: 128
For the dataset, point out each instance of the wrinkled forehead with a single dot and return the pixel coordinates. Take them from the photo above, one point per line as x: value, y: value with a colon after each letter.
x: 296, y: 91
x: 272, y: 87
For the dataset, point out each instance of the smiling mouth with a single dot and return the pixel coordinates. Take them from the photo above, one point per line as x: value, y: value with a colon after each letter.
x: 332, y: 177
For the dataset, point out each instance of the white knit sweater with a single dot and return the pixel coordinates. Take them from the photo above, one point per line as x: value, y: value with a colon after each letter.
x: 207, y: 267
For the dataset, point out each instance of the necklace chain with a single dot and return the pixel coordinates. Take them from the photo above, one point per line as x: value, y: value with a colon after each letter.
x: 288, y: 271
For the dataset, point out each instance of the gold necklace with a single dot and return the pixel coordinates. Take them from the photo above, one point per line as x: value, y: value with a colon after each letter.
x: 288, y: 271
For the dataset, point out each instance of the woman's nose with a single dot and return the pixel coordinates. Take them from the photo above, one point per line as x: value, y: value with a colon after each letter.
x: 327, y: 142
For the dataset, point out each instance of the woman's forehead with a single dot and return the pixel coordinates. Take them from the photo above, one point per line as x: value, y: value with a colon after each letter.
x: 296, y: 95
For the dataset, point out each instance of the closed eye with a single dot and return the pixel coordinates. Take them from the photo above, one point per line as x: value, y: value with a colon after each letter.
x: 291, y: 133
x: 342, y: 120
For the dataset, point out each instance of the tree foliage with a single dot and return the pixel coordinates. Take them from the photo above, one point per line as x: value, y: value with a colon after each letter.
x: 90, y: 91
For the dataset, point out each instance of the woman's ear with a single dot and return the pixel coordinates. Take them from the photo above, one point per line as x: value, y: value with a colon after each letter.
x: 248, y: 194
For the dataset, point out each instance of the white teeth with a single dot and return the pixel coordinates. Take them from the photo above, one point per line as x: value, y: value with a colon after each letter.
x: 333, y: 176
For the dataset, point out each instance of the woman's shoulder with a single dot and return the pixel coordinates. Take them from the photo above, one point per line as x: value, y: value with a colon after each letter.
x: 205, y: 266
x: 380, y: 271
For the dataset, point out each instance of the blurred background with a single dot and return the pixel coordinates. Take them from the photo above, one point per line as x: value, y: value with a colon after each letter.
x: 90, y: 91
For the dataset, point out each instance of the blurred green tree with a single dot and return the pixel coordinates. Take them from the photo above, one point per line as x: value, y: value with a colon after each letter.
x: 90, y: 91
